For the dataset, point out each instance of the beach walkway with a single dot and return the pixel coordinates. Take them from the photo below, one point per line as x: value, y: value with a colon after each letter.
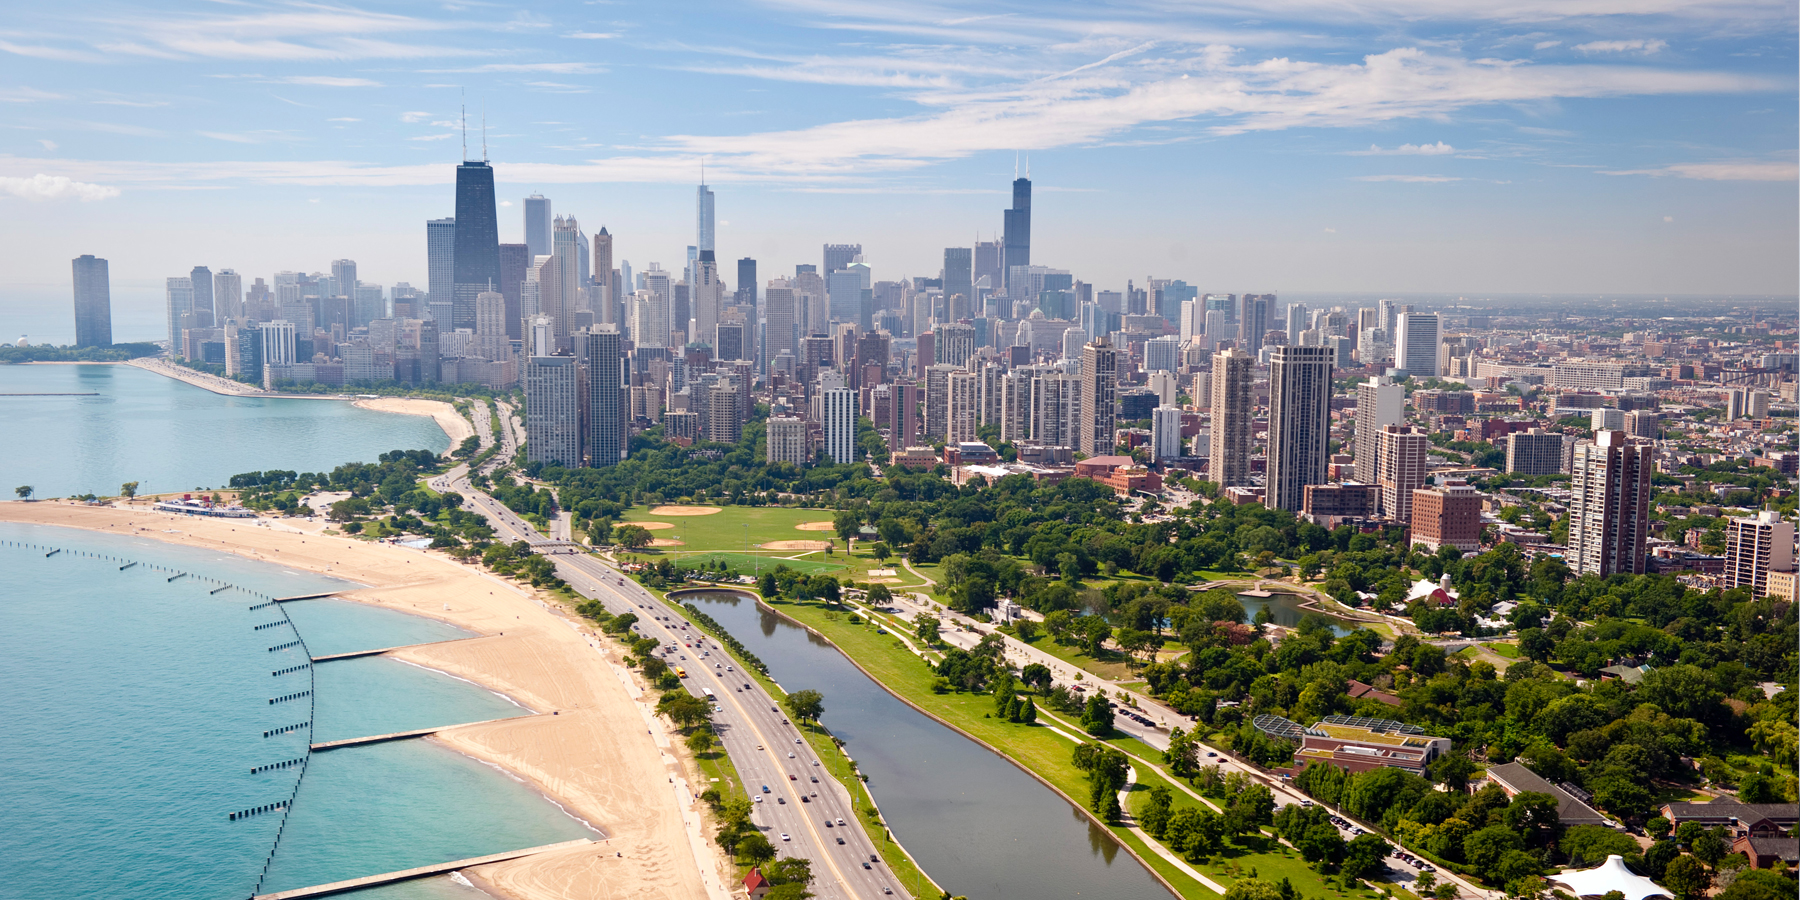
x: 355, y: 884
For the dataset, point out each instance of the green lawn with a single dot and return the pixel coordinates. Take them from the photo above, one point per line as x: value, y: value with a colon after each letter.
x: 737, y: 533
x: 1112, y: 668
x: 1510, y: 651
x: 749, y: 563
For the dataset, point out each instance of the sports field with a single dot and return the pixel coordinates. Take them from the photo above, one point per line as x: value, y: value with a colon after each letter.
x: 751, y: 537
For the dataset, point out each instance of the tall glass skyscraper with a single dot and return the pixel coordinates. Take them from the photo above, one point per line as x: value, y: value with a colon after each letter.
x: 440, y: 259
x: 537, y: 224
x: 1018, y: 230
x: 93, y: 302
x: 703, y: 216
x: 477, y: 261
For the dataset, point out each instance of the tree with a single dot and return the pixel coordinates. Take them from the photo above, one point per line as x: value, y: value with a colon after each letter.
x: 1533, y: 816
x: 632, y: 537
x: 805, y: 706
x: 1453, y: 770
x: 789, y: 870
x: 700, y: 741
x: 684, y: 709
x: 24, y: 491
x: 1036, y: 675
x: 881, y: 551
x: 755, y: 848
x: 1710, y: 846
x: 1363, y: 856
x: 1183, y: 755
x: 879, y: 595
x: 1485, y: 848
x: 128, y: 490
x: 926, y: 627
x: 1097, y: 717
x: 1687, y: 877
x: 1252, y: 889
x: 847, y: 523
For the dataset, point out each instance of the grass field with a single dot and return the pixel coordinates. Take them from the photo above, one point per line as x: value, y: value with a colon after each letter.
x: 1112, y: 667
x: 734, y: 533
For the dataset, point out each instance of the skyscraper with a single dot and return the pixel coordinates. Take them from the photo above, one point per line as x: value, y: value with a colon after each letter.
x: 1228, y: 456
x: 703, y: 217
x: 515, y: 259
x: 839, y: 256
x: 228, y: 295
x: 343, y: 272
x: 708, y: 296
x: 537, y: 224
x: 745, y: 295
x: 440, y: 259
x: 1099, y: 390
x: 1299, y: 423
x: 553, y: 411
x: 202, y: 279
x: 1399, y: 468
x: 477, y: 259
x: 1253, y: 322
x: 490, y: 327
x: 1609, y: 505
x: 1379, y: 402
x: 606, y: 298
x: 1296, y: 322
x: 179, y: 297
x: 1754, y: 546
x: 958, y: 278
x: 779, y: 332
x: 1165, y: 431
x: 987, y: 264
x: 1017, y: 234
x: 963, y: 418
x: 608, y: 396
x: 93, y: 302
x: 1416, y: 345
x: 1162, y: 354
x: 837, y: 416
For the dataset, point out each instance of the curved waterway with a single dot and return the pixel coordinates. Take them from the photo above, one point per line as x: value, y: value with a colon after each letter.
x: 168, y: 435
x: 134, y: 710
x: 980, y: 826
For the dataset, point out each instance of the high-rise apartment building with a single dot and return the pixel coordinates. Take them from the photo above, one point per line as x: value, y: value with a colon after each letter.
x: 1399, y: 468
x: 1416, y: 341
x: 1165, y: 431
x: 987, y: 264
x: 608, y: 397
x: 703, y: 218
x: 1253, y: 322
x: 707, y: 298
x: 963, y: 420
x: 1099, y: 392
x: 178, y: 295
x: 228, y: 295
x: 440, y: 259
x: 1296, y: 322
x: 1755, y: 546
x: 515, y: 262
x: 782, y: 321
x: 1162, y: 354
x: 1228, y: 446
x: 93, y: 302
x: 1299, y: 423
x: 202, y: 279
x: 605, y: 299
x: 937, y: 400
x: 837, y: 418
x: 1534, y: 452
x: 477, y: 258
x: 553, y: 411
x: 1055, y: 401
x: 955, y: 344
x: 537, y: 225
x: 786, y: 437
x: 1744, y: 403
x: 1193, y: 319
x: 1017, y: 234
x: 1609, y: 505
x: 1446, y: 516
x: 490, y: 327
x: 959, y: 276
x: 1379, y: 403
x: 278, y: 339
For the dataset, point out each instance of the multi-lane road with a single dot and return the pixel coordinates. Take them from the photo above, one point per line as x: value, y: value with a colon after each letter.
x: 805, y: 812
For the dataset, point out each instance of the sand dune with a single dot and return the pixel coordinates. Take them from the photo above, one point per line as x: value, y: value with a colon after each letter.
x: 595, y: 749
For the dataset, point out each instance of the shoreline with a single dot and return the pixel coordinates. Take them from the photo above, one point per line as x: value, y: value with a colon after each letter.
x: 454, y: 424
x: 592, y: 749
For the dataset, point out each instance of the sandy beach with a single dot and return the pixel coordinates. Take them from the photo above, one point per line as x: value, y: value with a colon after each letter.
x: 446, y: 416
x: 198, y: 379
x: 593, y: 748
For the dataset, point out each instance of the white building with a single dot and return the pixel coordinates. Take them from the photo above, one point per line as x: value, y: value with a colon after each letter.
x: 837, y: 416
x: 1165, y: 431
x: 1379, y: 403
x: 1416, y: 344
x: 787, y: 440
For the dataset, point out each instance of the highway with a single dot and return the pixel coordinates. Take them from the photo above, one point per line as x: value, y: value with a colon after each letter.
x: 763, y: 746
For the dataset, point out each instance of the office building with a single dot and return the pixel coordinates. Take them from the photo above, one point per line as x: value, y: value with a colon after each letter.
x: 1228, y: 450
x: 605, y: 299
x: 787, y: 440
x: 1606, y: 418
x: 1162, y: 354
x: 366, y: 305
x: 838, y: 257
x: 1253, y: 322
x: 1017, y: 238
x: 1534, y: 452
x: 1446, y: 516
x: 1299, y: 423
x: 703, y: 218
x: 515, y: 261
x: 837, y: 418
x: 959, y: 280
x: 440, y: 259
x: 202, y: 279
x: 278, y: 338
x: 178, y: 295
x: 1379, y: 403
x: 476, y: 262
x: 1399, y: 468
x: 1099, y: 392
x: 228, y: 296
x: 93, y: 302
x: 1416, y: 340
x: 963, y: 419
x: 986, y: 269
x: 1296, y: 322
x: 491, y: 341
x: 1165, y: 431
x: 1609, y: 505
x: 607, y: 397
x: 537, y: 224
x: 1193, y: 320
x: 705, y: 301
x: 780, y: 328
x: 955, y: 344
x: 1755, y: 546
x: 553, y: 411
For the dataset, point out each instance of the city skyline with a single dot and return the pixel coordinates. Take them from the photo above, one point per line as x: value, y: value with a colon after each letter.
x: 1300, y: 153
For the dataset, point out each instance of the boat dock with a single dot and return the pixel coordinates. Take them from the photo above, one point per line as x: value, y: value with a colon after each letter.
x: 338, y: 887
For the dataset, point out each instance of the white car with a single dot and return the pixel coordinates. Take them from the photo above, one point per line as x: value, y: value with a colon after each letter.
x: 784, y: 836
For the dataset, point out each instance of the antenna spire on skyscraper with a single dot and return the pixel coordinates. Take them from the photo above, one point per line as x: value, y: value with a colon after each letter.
x: 484, y: 131
x: 464, y: 116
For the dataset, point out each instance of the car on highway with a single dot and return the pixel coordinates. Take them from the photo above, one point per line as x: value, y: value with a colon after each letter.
x: 764, y: 787
x: 840, y: 840
x: 784, y: 836
x: 840, y: 821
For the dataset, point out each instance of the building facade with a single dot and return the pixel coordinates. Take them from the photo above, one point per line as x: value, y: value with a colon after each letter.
x: 553, y: 411
x: 1299, y: 423
x: 1609, y: 505
x: 93, y: 302
x: 1228, y: 453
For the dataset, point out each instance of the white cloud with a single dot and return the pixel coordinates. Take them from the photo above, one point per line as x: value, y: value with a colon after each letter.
x: 553, y: 68
x: 47, y: 143
x: 1545, y: 45
x: 1720, y: 171
x: 1331, y: 231
x: 432, y: 137
x: 1641, y: 45
x: 55, y: 187
x: 343, y: 119
x: 26, y: 95
x: 1408, y: 179
x: 506, y: 203
x: 329, y: 81
x: 411, y: 117
x: 1438, y: 149
x: 592, y: 35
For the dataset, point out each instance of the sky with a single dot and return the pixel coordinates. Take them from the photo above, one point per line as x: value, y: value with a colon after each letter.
x: 1405, y: 146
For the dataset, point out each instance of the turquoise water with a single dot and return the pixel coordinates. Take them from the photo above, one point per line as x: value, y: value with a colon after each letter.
x: 134, y: 711
x: 172, y: 436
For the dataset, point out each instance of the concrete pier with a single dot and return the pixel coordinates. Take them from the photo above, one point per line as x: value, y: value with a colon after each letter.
x: 357, y: 653
x: 338, y: 887
x: 306, y: 597
x: 403, y: 735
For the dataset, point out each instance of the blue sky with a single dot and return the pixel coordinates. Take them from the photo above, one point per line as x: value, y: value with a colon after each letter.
x: 1617, y: 146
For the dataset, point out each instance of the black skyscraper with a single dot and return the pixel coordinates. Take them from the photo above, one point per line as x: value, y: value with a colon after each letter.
x: 477, y: 260
x: 514, y: 260
x: 1018, y: 231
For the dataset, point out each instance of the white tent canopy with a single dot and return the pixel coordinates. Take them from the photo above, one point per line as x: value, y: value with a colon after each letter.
x: 1609, y: 876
